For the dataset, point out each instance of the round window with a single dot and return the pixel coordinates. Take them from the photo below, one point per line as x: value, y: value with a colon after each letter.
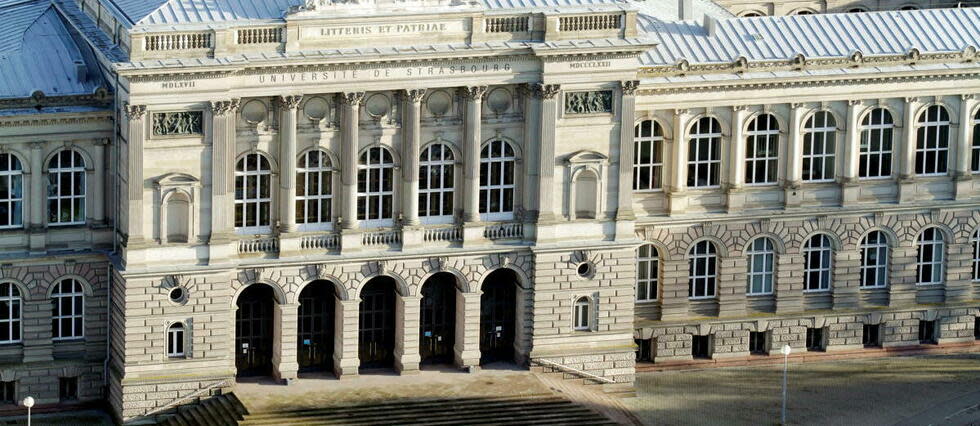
x: 178, y: 295
x: 585, y: 270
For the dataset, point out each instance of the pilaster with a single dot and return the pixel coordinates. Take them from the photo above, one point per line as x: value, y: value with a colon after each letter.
x: 962, y: 173
x: 471, y: 151
x: 677, y: 189
x: 850, y: 190
x: 136, y: 133
x: 467, y: 348
x: 411, y: 131
x: 794, y: 157
x: 906, y: 174
x: 736, y: 164
x: 407, y: 321
x: 349, y: 129
x: 37, y: 199
x: 99, y: 189
x: 625, y: 216
x: 546, y: 95
x: 285, y: 365
x: 287, y: 161
x: 345, y: 352
x: 223, y: 115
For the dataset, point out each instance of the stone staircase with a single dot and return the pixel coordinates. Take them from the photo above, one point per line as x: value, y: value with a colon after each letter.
x: 219, y: 410
x: 541, y: 409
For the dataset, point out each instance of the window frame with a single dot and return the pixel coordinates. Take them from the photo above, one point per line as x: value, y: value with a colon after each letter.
x: 654, y: 170
x: 975, y: 145
x: 828, y: 129
x: 754, y: 136
x: 261, y: 175
x: 927, y: 125
x: 75, y: 172
x: 877, y: 125
x: 880, y: 250
x: 651, y: 262
x: 501, y: 188
x: 382, y: 171
x: 429, y: 169
x: 712, y: 136
x: 14, y: 301
x: 58, y: 295
x: 768, y: 250
x: 825, y: 271
x: 582, y: 314
x: 975, y: 239
x: 321, y: 200
x: 12, y: 180
x: 177, y: 340
x: 937, y: 263
x: 708, y: 280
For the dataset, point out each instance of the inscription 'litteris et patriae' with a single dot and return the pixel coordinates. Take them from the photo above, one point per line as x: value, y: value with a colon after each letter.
x: 383, y: 29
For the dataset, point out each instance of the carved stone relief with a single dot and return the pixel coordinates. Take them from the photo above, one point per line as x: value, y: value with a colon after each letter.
x: 593, y: 102
x: 177, y: 123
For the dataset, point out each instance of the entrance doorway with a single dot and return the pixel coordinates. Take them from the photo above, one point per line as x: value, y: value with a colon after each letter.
x: 253, y: 331
x: 376, y: 342
x: 437, y: 334
x: 315, y: 337
x: 497, y: 316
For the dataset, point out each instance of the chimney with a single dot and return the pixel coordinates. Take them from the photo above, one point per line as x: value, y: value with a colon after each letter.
x: 710, y: 25
x: 685, y: 9
x: 81, y: 71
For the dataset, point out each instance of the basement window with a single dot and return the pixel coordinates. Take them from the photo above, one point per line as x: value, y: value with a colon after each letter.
x: 701, y: 347
x: 871, y: 337
x: 7, y: 393
x: 644, y: 350
x: 68, y: 388
x: 976, y: 328
x: 815, y: 339
x: 927, y: 333
x: 757, y: 343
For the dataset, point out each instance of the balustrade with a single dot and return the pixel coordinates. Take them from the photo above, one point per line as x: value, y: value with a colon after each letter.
x: 381, y: 238
x: 158, y: 42
x: 590, y: 23
x: 454, y: 233
x: 260, y: 35
x: 508, y: 24
x: 258, y: 245
x: 320, y: 242
x: 504, y: 231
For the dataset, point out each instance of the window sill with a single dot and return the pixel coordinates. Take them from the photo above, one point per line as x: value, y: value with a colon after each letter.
x: 929, y: 284
x: 759, y: 295
x: 647, y: 301
x: 702, y: 298
x: 821, y: 291
x: 68, y: 340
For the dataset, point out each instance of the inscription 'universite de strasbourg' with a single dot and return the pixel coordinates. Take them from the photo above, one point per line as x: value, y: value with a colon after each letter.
x: 177, y: 123
x: 588, y: 102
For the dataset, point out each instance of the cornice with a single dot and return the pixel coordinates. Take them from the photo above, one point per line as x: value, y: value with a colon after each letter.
x: 67, y: 118
x: 38, y: 99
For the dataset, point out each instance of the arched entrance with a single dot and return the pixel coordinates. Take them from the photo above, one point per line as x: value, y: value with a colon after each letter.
x: 253, y: 331
x: 315, y: 336
x: 376, y: 337
x: 437, y: 334
x: 497, y: 316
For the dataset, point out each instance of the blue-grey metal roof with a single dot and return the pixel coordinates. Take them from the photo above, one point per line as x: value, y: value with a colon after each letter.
x: 38, y: 53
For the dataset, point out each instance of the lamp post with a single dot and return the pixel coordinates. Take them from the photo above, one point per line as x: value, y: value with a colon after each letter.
x: 28, y: 402
x: 786, y: 351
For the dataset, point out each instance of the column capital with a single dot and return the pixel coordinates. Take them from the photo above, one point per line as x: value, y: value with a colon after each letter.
x: 854, y: 102
x: 352, y: 98
x: 134, y: 112
x: 796, y: 105
x: 220, y: 108
x: 967, y: 96
x: 290, y: 101
x: 629, y: 87
x: 37, y: 146
x: 739, y: 108
x: 546, y: 91
x: 473, y: 92
x: 415, y: 95
x: 911, y: 99
x: 680, y: 111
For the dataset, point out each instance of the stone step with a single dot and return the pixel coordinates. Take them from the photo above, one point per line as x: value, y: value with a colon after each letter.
x: 218, y: 410
x: 573, y: 416
x: 413, y: 403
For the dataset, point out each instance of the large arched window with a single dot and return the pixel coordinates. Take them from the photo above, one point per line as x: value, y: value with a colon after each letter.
x: 647, y: 273
x: 704, y: 153
x: 253, y: 193
x: 175, y: 340
x: 648, y: 158
x: 497, y: 162
x: 932, y: 141
x: 818, y: 255
x: 877, y: 131
x: 436, y: 183
x: 66, y: 189
x: 314, y: 189
x: 68, y: 310
x: 819, y: 147
x: 975, y: 147
x: 582, y: 317
x: 762, y: 150
x: 702, y: 271
x: 10, y: 313
x: 976, y: 254
x: 929, y: 266
x: 762, y: 260
x: 11, y: 192
x: 874, y: 260
x: 376, y: 186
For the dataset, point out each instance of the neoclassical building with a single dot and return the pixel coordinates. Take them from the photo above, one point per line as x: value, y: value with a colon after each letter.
x: 193, y: 194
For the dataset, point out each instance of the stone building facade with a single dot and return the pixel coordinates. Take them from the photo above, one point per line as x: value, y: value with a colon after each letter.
x: 347, y: 187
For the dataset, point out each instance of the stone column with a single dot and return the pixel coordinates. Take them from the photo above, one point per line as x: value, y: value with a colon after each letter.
x: 345, y: 349
x: 794, y: 157
x: 906, y: 173
x: 677, y: 194
x: 408, y: 311
x: 962, y: 173
x: 98, y: 183
x: 412, y: 132
x: 472, y: 140
x: 37, y: 200
x: 736, y: 164
x: 285, y: 363
x: 467, y: 347
x: 287, y: 161
x: 135, y: 117
x: 223, y: 115
x: 624, y: 210
x: 850, y: 190
x: 348, y: 157
x: 548, y: 98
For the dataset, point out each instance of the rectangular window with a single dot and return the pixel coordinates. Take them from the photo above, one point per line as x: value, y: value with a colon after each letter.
x: 644, y: 350
x: 814, y: 339
x: 976, y: 328
x: 648, y: 274
x: 701, y: 347
x: 8, y: 392
x: 68, y: 388
x: 927, y: 333
x: 871, y: 336
x: 757, y: 342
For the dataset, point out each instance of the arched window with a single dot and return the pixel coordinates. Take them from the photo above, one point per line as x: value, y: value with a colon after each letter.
x: 11, y: 192
x: 68, y: 310
x: 314, y: 189
x: 930, y: 261
x: 762, y: 150
x: 762, y: 259
x: 909, y: 8
x: 817, y: 257
x: 582, y: 315
x: 751, y: 15
x: 175, y: 340
x: 702, y: 271
x: 10, y: 313
x: 874, y: 260
x: 704, y: 153
x: 932, y: 141
x: 66, y: 189
x: 856, y: 10
x: 877, y: 131
x: 804, y: 12
x: 819, y: 147
x: 376, y: 186
x: 497, y: 161
x: 976, y: 255
x: 975, y: 147
x: 253, y: 193
x: 648, y: 157
x: 647, y: 273
x: 436, y: 183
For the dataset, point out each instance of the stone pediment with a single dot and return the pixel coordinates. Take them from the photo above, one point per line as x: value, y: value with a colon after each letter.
x: 586, y: 157
x: 176, y: 180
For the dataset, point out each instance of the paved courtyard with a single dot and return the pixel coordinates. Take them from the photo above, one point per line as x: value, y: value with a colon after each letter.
x: 921, y: 390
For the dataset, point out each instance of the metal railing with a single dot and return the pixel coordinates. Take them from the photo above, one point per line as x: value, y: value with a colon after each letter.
x: 572, y: 371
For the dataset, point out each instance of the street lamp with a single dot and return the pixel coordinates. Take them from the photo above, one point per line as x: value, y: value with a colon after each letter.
x: 28, y: 402
x: 786, y: 351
